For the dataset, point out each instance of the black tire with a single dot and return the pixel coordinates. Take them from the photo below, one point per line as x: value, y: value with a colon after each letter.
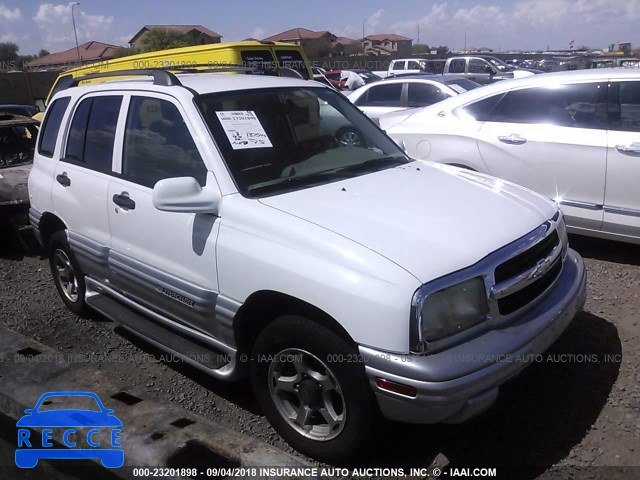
x: 59, y: 251
x: 350, y: 137
x: 297, y: 337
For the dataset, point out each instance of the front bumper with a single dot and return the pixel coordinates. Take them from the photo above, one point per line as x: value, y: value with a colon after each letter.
x: 459, y: 383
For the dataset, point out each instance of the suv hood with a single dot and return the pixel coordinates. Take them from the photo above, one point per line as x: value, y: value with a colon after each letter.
x: 429, y: 219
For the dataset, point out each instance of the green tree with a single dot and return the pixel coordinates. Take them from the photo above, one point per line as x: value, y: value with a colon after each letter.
x: 124, y: 52
x: 320, y: 47
x: 420, y: 48
x: 159, y: 39
x: 43, y: 53
x: 8, y: 52
x: 354, y: 48
x: 442, y: 49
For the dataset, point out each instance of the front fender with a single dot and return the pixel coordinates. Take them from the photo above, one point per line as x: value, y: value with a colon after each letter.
x: 261, y: 248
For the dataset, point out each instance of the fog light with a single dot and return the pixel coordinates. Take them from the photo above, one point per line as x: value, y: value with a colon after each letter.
x: 394, y: 387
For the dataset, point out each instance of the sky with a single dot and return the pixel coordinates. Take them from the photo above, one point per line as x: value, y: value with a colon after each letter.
x: 497, y: 24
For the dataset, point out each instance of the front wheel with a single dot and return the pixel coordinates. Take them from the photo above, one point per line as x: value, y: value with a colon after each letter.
x: 349, y: 137
x: 312, y: 388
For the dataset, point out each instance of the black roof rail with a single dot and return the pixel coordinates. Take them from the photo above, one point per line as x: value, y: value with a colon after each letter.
x: 233, y: 67
x: 160, y: 76
x: 163, y: 76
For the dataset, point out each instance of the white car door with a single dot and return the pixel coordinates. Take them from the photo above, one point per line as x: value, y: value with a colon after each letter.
x: 82, y: 178
x: 553, y: 141
x: 164, y: 260
x: 622, y: 197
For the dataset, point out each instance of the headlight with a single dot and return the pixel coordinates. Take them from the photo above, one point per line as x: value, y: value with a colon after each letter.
x: 450, y: 310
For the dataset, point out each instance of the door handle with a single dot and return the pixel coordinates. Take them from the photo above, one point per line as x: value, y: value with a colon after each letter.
x: 123, y: 200
x: 633, y: 149
x: 63, y: 179
x: 512, y: 139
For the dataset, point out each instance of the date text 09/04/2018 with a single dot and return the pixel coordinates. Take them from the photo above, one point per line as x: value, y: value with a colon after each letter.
x: 305, y: 472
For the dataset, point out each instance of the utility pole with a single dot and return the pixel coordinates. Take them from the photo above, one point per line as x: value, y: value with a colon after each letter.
x: 465, y: 41
x: 418, y: 42
x: 75, y: 33
x: 363, y: 22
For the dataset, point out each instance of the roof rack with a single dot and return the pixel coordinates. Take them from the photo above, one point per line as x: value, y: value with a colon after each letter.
x: 160, y: 76
x: 163, y: 76
x: 223, y: 67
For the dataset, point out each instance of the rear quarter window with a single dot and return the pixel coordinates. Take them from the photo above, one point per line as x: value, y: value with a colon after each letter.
x: 51, y: 126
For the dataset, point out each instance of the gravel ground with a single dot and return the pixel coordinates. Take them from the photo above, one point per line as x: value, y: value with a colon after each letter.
x: 578, y: 408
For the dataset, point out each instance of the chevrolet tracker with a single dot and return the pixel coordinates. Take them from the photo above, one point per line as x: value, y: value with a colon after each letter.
x: 221, y: 218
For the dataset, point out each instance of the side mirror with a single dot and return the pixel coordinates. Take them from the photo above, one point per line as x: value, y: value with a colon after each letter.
x: 184, y: 194
x: 40, y: 105
x: 489, y: 70
x: 29, y: 411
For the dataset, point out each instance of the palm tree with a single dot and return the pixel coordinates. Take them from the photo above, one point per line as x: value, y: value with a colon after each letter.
x: 159, y: 39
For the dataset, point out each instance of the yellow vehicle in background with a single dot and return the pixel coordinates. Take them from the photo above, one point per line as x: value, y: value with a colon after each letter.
x: 255, y: 54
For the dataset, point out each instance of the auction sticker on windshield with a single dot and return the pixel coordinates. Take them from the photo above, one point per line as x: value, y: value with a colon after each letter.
x: 243, y: 129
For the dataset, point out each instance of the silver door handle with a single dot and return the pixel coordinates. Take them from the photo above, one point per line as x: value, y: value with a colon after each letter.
x: 633, y: 149
x: 513, y: 139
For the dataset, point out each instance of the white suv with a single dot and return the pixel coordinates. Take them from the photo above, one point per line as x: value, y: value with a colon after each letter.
x: 213, y: 215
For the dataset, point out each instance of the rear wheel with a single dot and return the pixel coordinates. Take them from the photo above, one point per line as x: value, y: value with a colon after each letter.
x: 312, y: 389
x: 67, y: 276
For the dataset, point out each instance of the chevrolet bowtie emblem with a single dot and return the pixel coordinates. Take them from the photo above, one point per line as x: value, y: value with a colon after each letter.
x: 542, y: 267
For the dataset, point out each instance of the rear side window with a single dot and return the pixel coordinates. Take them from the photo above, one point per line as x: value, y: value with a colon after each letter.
x: 51, y: 126
x: 624, y: 108
x: 92, y: 133
x: 158, y: 145
x: 481, y: 110
x: 382, y: 96
x: 578, y: 105
x: 477, y: 65
x: 422, y: 94
x: 398, y: 65
x: 457, y: 65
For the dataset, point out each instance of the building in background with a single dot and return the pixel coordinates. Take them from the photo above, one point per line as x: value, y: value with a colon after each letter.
x: 89, y: 52
x: 386, y: 44
x: 303, y: 37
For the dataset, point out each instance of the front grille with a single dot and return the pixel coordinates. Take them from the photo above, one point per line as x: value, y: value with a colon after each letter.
x: 521, y: 298
x: 527, y: 259
x: 518, y: 273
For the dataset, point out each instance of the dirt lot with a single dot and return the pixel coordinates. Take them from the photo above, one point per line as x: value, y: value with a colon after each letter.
x: 580, y: 407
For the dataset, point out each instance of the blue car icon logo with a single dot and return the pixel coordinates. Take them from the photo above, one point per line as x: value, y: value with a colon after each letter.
x: 84, y: 431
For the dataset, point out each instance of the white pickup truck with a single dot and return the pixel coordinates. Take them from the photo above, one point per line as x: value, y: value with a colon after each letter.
x: 482, y: 69
x: 219, y: 217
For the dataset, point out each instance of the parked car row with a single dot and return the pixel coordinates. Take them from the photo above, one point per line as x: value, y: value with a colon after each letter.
x: 403, y: 92
x: 479, y: 68
x: 571, y: 136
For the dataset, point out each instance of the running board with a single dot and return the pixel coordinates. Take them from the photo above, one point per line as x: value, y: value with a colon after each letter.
x: 202, y: 356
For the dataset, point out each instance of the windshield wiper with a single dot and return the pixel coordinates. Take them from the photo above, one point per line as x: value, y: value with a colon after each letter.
x: 310, y: 179
x: 373, y: 162
x: 348, y: 171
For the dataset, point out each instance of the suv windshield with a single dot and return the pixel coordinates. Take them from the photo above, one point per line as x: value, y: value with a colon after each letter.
x: 283, y: 139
